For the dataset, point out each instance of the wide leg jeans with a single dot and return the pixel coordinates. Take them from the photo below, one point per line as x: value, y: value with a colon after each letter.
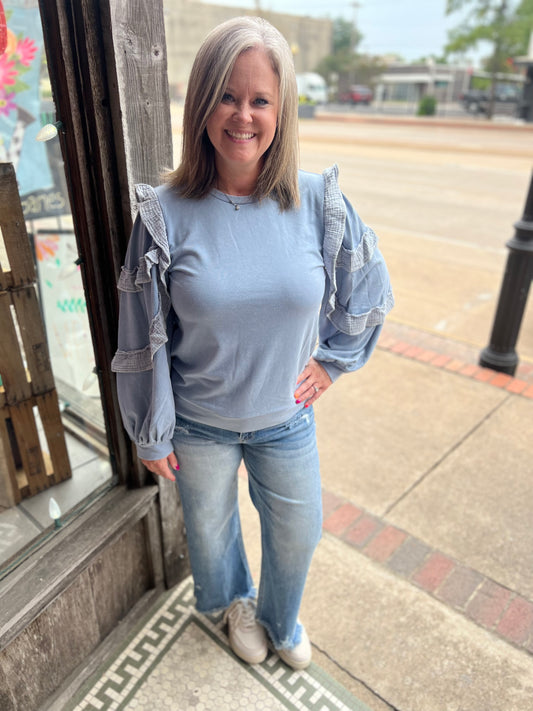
x: 284, y: 485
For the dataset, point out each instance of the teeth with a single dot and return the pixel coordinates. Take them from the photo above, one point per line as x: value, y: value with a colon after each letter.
x: 240, y: 136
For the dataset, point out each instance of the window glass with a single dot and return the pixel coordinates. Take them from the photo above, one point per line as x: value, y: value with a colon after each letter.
x: 53, y: 453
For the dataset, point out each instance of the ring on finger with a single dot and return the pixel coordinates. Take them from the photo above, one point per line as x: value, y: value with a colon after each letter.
x: 316, y: 389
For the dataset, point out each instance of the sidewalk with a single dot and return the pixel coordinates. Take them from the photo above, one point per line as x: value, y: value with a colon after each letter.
x: 420, y: 596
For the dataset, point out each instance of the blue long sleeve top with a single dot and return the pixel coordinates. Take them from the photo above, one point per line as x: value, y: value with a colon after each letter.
x: 221, y: 308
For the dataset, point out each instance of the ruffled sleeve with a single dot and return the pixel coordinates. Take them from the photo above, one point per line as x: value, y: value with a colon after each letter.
x: 142, y: 362
x: 358, y: 291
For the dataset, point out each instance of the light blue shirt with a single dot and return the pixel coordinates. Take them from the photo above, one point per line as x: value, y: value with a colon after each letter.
x: 221, y: 308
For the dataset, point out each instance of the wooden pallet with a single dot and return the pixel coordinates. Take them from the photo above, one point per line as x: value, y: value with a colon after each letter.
x: 33, y: 453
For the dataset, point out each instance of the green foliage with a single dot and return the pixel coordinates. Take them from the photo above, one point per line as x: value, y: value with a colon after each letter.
x: 345, y: 36
x: 496, y: 22
x: 344, y: 61
x: 427, y: 106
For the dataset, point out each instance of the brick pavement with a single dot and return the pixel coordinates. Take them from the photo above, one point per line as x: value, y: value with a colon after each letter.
x: 485, y: 602
x: 453, y: 356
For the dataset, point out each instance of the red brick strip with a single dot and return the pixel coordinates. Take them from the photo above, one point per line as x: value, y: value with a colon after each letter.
x: 484, y: 601
x: 434, y: 572
x: 341, y: 519
x: 416, y: 345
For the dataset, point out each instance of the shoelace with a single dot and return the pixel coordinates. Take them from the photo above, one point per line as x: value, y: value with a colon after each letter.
x: 241, y: 613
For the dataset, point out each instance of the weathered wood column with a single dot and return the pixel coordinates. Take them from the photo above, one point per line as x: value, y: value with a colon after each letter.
x: 107, y: 65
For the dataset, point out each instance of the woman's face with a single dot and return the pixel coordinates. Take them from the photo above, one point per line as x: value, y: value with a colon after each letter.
x: 243, y: 125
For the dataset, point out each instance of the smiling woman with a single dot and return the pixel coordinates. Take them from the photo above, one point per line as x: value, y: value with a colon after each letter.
x: 237, y: 267
x: 243, y: 125
x: 209, y: 88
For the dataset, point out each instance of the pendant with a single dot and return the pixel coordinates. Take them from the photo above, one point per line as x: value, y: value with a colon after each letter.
x: 236, y: 207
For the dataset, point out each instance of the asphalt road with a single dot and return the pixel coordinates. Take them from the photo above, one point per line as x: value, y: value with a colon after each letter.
x: 443, y: 199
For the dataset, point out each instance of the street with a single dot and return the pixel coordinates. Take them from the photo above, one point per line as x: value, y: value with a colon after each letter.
x: 443, y: 200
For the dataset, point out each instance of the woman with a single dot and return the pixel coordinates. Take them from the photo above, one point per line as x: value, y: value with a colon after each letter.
x: 248, y: 288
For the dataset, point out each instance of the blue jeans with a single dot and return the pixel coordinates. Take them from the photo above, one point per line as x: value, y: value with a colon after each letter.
x: 284, y: 485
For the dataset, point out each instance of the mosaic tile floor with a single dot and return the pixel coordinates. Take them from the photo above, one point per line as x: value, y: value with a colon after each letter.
x: 179, y: 660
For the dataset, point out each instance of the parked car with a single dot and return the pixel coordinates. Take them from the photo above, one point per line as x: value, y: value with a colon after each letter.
x: 477, y: 100
x: 357, y: 94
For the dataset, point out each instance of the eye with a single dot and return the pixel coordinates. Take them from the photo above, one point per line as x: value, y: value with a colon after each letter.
x: 260, y: 101
x: 226, y: 99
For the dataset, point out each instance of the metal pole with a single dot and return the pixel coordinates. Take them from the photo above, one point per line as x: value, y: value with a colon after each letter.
x: 500, y: 354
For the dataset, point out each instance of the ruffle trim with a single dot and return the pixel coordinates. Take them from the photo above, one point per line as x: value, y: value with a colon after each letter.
x: 133, y: 280
x: 336, y: 256
x: 353, y: 259
x: 353, y: 324
x: 132, y: 361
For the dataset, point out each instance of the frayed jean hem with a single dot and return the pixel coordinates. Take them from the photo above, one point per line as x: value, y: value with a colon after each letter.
x: 285, y: 643
x: 251, y: 595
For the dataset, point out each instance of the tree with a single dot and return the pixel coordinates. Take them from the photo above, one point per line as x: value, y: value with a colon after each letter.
x: 345, y: 37
x: 522, y: 27
x: 496, y: 22
x: 344, y: 62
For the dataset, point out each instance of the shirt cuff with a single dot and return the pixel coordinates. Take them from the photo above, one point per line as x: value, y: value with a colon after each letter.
x: 152, y: 452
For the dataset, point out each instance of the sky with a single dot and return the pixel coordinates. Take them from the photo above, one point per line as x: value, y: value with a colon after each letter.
x: 410, y: 28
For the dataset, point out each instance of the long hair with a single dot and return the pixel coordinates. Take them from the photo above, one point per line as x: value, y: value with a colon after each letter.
x: 210, y: 74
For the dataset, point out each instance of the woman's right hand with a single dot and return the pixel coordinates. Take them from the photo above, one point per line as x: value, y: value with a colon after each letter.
x: 163, y: 467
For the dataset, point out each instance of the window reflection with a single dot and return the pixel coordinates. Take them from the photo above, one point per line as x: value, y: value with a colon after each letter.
x: 52, y: 434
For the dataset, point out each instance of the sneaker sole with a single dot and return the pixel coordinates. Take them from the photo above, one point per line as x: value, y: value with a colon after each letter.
x: 297, y: 666
x: 249, y: 659
x: 293, y: 664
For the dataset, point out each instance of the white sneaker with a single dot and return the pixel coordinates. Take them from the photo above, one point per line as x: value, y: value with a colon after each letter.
x: 247, y: 637
x: 298, y: 657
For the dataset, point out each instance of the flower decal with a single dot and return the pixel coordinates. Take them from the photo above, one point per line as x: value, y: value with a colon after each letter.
x: 8, y: 72
x: 26, y: 51
x: 46, y: 247
x: 6, y: 102
x: 17, y: 53
x: 3, y: 29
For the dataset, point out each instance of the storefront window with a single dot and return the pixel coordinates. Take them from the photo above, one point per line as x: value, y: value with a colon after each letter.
x: 64, y: 414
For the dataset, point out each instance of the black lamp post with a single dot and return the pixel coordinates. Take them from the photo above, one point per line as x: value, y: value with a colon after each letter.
x: 500, y: 354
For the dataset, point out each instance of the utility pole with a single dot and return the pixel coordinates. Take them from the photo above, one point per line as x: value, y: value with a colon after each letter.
x: 499, y: 22
x: 353, y: 37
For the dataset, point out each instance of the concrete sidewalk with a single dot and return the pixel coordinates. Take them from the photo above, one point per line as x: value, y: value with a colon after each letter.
x: 420, y: 596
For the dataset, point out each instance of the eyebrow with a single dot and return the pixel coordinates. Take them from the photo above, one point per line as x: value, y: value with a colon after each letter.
x: 260, y: 92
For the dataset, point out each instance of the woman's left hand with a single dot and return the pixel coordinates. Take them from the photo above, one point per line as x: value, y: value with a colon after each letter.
x: 311, y: 383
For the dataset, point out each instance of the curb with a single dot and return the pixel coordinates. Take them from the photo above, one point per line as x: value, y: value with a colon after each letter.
x: 439, y: 121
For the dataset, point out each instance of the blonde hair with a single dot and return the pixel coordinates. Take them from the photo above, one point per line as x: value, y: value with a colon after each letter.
x: 210, y: 74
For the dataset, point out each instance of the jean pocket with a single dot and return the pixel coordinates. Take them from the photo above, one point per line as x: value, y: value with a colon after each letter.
x: 304, y: 417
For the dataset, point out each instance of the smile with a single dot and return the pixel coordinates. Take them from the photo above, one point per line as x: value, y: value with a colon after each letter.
x: 240, y: 136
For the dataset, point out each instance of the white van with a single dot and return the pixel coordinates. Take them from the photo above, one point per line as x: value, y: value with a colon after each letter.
x: 312, y: 87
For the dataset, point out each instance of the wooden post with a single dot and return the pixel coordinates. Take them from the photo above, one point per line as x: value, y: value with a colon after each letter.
x: 107, y: 65
x: 101, y: 63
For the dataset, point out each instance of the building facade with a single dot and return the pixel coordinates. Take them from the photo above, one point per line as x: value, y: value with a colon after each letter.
x: 188, y: 21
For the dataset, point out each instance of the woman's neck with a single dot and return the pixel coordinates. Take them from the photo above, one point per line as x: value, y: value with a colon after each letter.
x: 239, y: 183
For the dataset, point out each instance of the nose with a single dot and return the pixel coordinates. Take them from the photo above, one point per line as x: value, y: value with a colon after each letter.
x: 243, y: 112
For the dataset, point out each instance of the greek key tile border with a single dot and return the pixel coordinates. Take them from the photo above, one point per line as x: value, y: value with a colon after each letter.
x: 116, y: 685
